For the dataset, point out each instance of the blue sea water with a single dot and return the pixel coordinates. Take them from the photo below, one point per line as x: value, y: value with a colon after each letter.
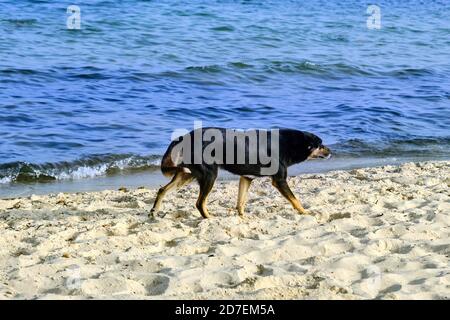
x: 106, y: 98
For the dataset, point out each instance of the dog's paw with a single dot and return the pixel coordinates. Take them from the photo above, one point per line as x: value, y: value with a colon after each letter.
x: 243, y: 218
x: 153, y: 214
x: 320, y: 216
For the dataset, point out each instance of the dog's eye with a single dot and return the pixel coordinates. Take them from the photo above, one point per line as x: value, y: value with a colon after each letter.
x: 309, y: 147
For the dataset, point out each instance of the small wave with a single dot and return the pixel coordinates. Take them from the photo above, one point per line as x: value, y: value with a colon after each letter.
x: 93, y: 76
x: 304, y: 67
x: 311, y: 68
x: 407, y: 72
x: 293, y: 67
x: 223, y: 29
x: 217, y: 73
x: 205, y: 69
x: 89, y: 167
x: 415, y: 147
x: 14, y: 71
x: 21, y: 22
x: 5, y: 180
x: 240, y: 65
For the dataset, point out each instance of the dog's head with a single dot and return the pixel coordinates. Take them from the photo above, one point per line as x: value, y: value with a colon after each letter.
x: 315, y: 147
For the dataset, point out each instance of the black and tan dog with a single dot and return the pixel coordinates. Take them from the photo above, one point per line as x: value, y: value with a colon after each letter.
x: 293, y: 147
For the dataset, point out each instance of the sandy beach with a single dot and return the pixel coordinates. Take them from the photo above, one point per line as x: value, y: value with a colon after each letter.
x: 379, y: 233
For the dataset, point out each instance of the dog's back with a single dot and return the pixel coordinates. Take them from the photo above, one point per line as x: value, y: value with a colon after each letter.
x: 239, y: 152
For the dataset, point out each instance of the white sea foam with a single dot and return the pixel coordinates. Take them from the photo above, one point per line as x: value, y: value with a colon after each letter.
x: 5, y: 180
x: 83, y: 172
x: 81, y: 169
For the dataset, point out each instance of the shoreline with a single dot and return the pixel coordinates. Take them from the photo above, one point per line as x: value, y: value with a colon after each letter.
x: 154, y: 178
x: 379, y: 232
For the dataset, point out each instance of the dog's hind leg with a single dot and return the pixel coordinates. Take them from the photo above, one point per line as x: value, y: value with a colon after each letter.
x: 244, y: 184
x: 178, y: 180
x: 284, y: 189
x: 206, y: 183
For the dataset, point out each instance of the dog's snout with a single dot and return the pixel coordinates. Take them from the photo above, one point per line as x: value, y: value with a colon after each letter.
x: 324, y: 152
x: 320, y: 152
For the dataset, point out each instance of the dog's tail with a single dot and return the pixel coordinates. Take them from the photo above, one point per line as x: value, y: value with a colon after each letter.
x: 171, y: 160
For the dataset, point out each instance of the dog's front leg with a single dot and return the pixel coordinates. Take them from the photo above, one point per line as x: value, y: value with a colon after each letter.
x: 283, y: 187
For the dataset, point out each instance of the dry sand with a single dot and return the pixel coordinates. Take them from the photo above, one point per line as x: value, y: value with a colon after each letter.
x: 375, y: 233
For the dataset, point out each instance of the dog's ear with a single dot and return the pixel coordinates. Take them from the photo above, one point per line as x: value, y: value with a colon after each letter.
x: 312, y: 141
